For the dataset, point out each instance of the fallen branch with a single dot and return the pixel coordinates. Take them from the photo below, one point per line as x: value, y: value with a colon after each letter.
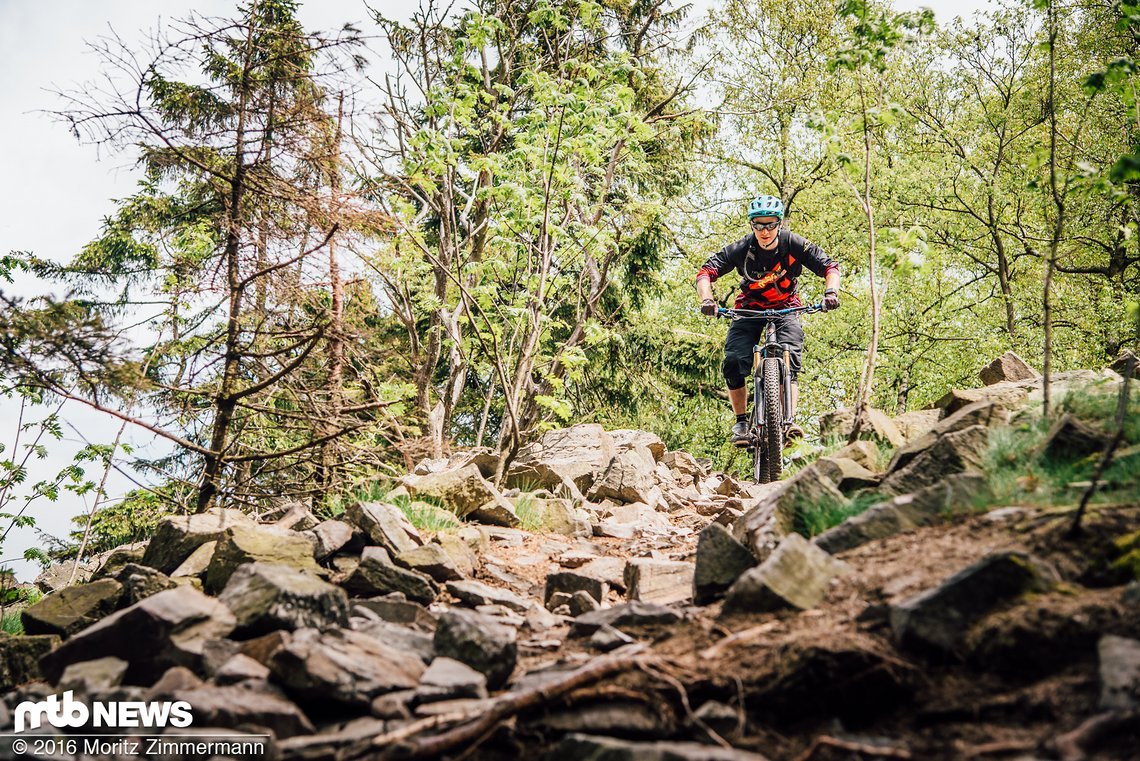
x: 1073, y: 746
x: 874, y: 751
x: 473, y: 726
x: 996, y: 748
x: 741, y: 636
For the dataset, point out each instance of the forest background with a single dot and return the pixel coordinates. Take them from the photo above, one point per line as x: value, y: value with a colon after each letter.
x: 329, y: 271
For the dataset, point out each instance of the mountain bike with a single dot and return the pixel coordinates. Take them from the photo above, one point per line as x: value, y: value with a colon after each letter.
x: 771, y: 391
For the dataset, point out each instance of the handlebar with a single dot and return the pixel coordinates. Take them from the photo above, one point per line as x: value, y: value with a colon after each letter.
x: 766, y: 314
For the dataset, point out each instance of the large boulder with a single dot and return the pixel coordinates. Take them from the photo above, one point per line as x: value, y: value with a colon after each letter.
x: 916, y: 422
x: 664, y: 582
x: 1070, y: 438
x: 1009, y: 394
x: 648, y: 445
x: 846, y: 474
x: 1007, y: 367
x: 720, y: 561
x: 383, y: 524
x: 430, y: 559
x: 329, y: 537
x: 476, y: 594
x: 177, y: 536
x: 479, y: 642
x: 627, y: 478
x: 568, y: 457
x: 461, y: 490
x: 953, y: 495
x: 985, y: 413
x: 449, y: 679
x: 252, y: 702
x: 164, y: 630
x: 266, y: 597
x: 243, y: 544
x: 774, y: 514
x: 343, y: 666
x: 938, y: 619
x: 957, y: 452
x: 140, y: 581
x: 630, y: 615
x: 378, y: 575
x: 796, y: 575
x: 72, y: 609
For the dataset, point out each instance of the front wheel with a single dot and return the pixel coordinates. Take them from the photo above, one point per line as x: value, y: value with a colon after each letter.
x: 773, y: 437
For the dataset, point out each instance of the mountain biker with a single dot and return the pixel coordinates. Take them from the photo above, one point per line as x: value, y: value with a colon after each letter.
x: 770, y: 261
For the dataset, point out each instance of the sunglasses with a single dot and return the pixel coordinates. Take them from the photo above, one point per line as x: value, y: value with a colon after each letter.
x: 764, y: 225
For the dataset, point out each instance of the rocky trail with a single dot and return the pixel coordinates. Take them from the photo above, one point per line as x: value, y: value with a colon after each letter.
x: 616, y: 601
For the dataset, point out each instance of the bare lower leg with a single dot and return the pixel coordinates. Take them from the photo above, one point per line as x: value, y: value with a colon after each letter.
x: 739, y: 399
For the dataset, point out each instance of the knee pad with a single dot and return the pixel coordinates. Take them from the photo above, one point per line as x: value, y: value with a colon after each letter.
x: 736, y: 371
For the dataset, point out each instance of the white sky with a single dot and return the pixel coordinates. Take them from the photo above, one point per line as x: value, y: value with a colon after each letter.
x: 55, y: 192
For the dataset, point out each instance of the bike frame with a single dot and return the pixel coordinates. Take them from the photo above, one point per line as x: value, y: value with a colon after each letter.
x: 770, y: 349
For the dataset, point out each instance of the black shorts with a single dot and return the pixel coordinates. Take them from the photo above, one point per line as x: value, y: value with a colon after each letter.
x: 743, y: 335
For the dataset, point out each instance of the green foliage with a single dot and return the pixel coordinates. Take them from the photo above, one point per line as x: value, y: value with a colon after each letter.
x: 425, y: 513
x: 813, y: 518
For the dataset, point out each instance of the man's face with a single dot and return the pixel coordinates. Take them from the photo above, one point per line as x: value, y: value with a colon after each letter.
x: 765, y: 229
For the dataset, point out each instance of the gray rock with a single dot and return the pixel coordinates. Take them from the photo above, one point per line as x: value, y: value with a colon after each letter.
x: 240, y: 668
x: 407, y: 639
x: 343, y: 666
x: 65, y: 573
x: 915, y: 423
x: 462, y: 490
x: 248, y: 703
x: 20, y: 658
x: 399, y: 611
x: 449, y: 679
x: 796, y: 575
x: 1007, y: 367
x: 176, y: 537
x: 1119, y: 673
x: 863, y: 452
x: 846, y: 474
x: 937, y: 620
x: 430, y: 559
x: 558, y: 516
x: 607, y: 638
x: 641, y: 442
x: 266, y: 597
x: 720, y: 561
x: 377, y: 575
x: 243, y: 544
x: 664, y: 582
x: 383, y: 524
x: 92, y: 677
x: 462, y: 556
x: 1125, y: 361
x: 329, y: 537
x: 684, y: 466
x: 877, y: 426
x: 987, y: 413
x: 568, y: 457
x: 479, y: 642
x: 957, y: 452
x: 626, y: 616
x: 140, y: 581
x: 569, y: 582
x: 1071, y: 439
x: 497, y: 512
x: 951, y: 496
x: 164, y: 630
x: 196, y: 564
x: 764, y: 526
x: 627, y: 478
x: 476, y: 593
x: 72, y: 609
x: 581, y: 747
x: 1009, y: 394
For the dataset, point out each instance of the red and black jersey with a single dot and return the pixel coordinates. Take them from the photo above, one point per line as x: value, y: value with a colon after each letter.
x: 768, y: 278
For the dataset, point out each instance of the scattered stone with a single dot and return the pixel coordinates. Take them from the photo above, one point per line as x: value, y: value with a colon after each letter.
x: 448, y: 679
x: 762, y: 528
x: 463, y: 558
x: 72, y: 609
x: 377, y: 575
x: 664, y: 582
x: 938, y: 619
x: 266, y: 597
x: 179, y: 535
x: 608, y: 569
x: 164, y: 630
x: 350, y: 668
x: 432, y: 560
x: 985, y: 413
x: 65, y: 573
x: 240, y: 668
x: 497, y: 512
x: 627, y: 478
x: 399, y: 611
x: 243, y: 544
x: 877, y: 426
x: 140, y: 581
x: 382, y: 523
x: 846, y: 474
x: 20, y: 658
x: 476, y: 593
x: 626, y: 616
x: 642, y: 442
x: 1119, y: 673
x: 92, y: 677
x: 479, y: 642
x: 569, y: 582
x: 720, y: 561
x: 582, y: 747
x: 558, y: 516
x: 197, y: 563
x: 1007, y: 367
x: 864, y: 452
x: 614, y: 530
x: 568, y: 457
x: 329, y: 537
x: 684, y: 466
x: 1071, y: 439
x: 607, y: 638
x: 295, y: 516
x: 462, y: 490
x: 1123, y: 362
x: 796, y: 575
x: 916, y: 423
x: 1008, y: 394
x: 249, y: 703
x: 409, y: 640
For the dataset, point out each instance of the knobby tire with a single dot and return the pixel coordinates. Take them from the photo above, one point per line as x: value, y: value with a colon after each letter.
x: 773, y: 419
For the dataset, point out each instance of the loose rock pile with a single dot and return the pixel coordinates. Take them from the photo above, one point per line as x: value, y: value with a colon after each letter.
x: 364, y: 636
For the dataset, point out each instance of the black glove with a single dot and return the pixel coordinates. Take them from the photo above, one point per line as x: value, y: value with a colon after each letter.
x: 708, y: 308
x: 830, y: 300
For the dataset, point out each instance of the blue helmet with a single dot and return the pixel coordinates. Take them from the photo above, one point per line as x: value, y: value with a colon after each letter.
x: 766, y: 206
